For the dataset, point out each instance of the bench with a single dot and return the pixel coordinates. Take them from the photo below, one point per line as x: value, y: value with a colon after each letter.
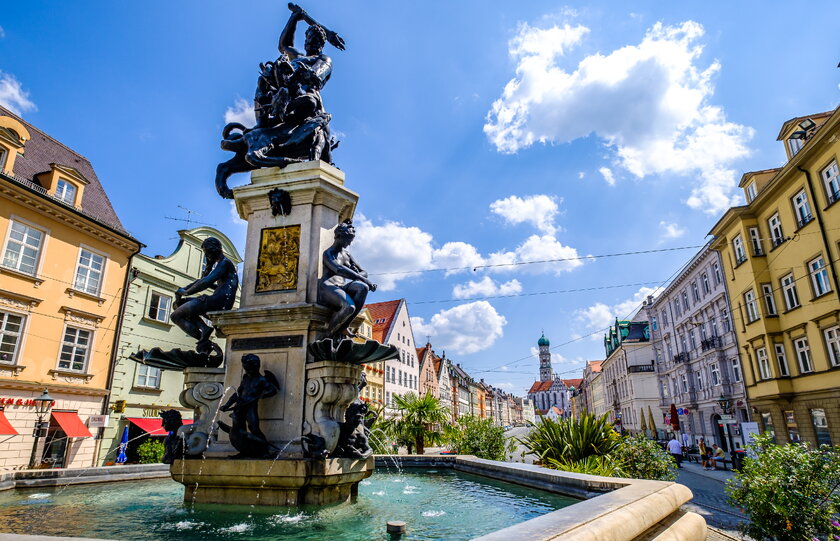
x: 695, y: 457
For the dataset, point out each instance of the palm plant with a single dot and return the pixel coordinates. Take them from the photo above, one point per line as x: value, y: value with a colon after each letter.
x: 567, y: 441
x: 418, y: 419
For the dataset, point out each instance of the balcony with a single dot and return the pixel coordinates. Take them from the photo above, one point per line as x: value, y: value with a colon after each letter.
x: 638, y: 368
x: 683, y: 357
x: 802, y: 221
x: 777, y: 241
x: 711, y: 343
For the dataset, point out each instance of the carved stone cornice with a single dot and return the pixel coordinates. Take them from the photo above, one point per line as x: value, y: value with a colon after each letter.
x: 80, y: 317
x: 18, y: 301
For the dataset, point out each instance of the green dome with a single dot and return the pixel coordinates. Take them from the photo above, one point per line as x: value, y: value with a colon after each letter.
x: 543, y: 341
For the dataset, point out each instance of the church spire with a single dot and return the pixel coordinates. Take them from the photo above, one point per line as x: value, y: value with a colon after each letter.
x: 546, y: 373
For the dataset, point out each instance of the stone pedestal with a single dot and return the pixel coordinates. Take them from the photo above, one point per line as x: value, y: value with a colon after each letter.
x: 283, y: 482
x: 203, y: 392
x: 330, y: 387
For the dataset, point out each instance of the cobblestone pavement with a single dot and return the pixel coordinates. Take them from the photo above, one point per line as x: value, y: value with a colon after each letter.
x: 710, y: 499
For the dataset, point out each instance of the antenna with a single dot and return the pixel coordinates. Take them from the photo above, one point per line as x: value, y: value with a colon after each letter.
x: 189, y: 219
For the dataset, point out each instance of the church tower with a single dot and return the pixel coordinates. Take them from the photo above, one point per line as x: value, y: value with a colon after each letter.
x: 546, y: 373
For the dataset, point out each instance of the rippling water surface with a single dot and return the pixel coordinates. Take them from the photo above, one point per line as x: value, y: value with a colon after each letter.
x: 441, y: 505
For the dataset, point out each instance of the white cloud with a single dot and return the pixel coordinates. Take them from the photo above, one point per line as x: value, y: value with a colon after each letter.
x: 242, y: 112
x: 607, y: 173
x: 391, y: 248
x: 463, y: 329
x: 649, y: 103
x: 12, y: 95
x: 599, y: 315
x: 486, y: 287
x: 581, y: 174
x: 457, y: 256
x: 234, y: 215
x: 671, y: 230
x: 538, y: 210
x: 537, y: 248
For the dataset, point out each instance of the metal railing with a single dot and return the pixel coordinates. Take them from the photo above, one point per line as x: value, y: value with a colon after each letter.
x: 683, y: 357
x: 804, y: 220
x: 711, y: 343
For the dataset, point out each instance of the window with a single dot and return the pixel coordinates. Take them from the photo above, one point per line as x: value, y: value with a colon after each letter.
x: 684, y: 381
x: 832, y: 343
x: 653, y: 324
x: 738, y: 246
x: 664, y: 315
x: 794, y: 145
x: 767, y: 421
x: 819, y: 276
x: 159, y: 307
x: 11, y: 326
x: 66, y: 192
x: 763, y: 364
x: 724, y: 316
x: 752, y: 307
x: 803, y: 355
x: 148, y: 376
x: 677, y: 309
x: 776, y: 235
x: 685, y: 299
x: 89, y: 272
x: 769, y: 300
x: 706, y: 288
x: 750, y: 191
x: 736, y: 370
x: 691, y: 339
x: 789, y: 292
x: 781, y: 360
x: 718, y: 276
x: 832, y: 185
x: 755, y: 241
x: 820, y: 423
x: 715, y: 370
x: 802, y: 209
x: 23, y: 248
x: 699, y: 375
x: 695, y: 292
x: 74, y: 349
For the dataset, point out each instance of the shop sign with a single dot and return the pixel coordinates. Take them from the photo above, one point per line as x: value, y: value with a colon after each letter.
x: 23, y: 402
x: 98, y: 421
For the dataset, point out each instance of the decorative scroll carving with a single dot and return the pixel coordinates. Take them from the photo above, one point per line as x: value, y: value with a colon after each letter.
x: 277, y: 267
x: 330, y: 388
x: 15, y: 303
x: 203, y: 392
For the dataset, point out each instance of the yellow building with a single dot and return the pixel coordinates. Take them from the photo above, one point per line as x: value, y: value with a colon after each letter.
x: 374, y: 392
x: 62, y: 276
x: 780, y: 255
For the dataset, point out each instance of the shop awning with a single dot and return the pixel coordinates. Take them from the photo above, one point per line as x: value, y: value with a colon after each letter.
x: 71, y: 424
x: 152, y: 425
x: 6, y: 428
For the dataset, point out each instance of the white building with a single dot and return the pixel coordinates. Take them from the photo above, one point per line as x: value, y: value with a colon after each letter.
x: 392, y: 326
x: 549, y: 391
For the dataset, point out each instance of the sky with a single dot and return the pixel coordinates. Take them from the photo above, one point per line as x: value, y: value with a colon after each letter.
x: 483, y: 137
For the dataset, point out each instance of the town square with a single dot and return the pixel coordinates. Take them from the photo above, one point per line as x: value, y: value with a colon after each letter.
x: 457, y: 270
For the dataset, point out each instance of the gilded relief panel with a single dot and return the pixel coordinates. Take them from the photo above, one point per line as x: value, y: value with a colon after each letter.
x: 277, y: 267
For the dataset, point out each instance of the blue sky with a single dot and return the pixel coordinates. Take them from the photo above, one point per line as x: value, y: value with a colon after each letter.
x: 476, y: 132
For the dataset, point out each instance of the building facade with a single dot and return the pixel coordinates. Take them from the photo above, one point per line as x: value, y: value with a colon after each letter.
x: 697, y: 353
x: 549, y: 391
x: 428, y: 375
x: 140, y: 392
x: 63, y: 269
x: 629, y: 372
x: 374, y: 391
x: 392, y: 326
x: 780, y: 254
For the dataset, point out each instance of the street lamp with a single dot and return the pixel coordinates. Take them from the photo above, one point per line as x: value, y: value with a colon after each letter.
x: 42, y: 406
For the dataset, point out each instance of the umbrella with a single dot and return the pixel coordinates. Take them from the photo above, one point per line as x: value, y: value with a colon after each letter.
x: 651, y: 423
x: 675, y: 419
x: 643, y: 423
x: 121, y: 458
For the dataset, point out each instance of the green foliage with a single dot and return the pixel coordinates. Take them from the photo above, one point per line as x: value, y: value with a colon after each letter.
x: 150, y: 451
x: 474, y: 436
x: 590, y: 445
x: 416, y: 423
x: 640, y: 458
x: 790, y: 492
x: 571, y: 440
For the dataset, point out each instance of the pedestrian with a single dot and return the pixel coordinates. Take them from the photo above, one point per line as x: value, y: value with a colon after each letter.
x: 675, y: 448
x: 717, y: 454
x: 704, y: 454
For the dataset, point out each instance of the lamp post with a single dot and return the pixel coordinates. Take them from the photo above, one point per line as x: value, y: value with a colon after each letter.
x: 726, y: 406
x: 42, y: 406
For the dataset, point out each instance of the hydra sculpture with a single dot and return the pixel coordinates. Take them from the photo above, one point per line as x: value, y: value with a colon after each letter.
x: 292, y: 124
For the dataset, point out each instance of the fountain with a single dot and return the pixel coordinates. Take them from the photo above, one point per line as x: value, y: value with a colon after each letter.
x: 287, y: 441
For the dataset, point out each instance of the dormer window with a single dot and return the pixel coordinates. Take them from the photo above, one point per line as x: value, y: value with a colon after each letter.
x: 750, y: 191
x: 66, y: 192
x: 794, y: 145
x: 3, y: 153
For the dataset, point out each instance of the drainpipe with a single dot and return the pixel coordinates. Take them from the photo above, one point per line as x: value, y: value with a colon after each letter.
x: 818, y: 214
x: 130, y: 275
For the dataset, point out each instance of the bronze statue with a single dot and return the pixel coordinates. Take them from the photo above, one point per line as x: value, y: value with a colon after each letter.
x: 173, y: 444
x: 219, y: 275
x: 292, y: 124
x: 244, y: 430
x: 344, y: 285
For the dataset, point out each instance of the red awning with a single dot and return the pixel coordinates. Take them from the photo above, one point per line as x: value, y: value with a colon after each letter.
x: 71, y: 424
x: 6, y: 428
x: 153, y: 425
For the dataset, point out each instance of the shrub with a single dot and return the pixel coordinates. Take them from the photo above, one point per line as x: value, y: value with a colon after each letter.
x: 150, y: 451
x: 473, y: 436
x: 567, y: 441
x: 641, y: 458
x: 790, y: 492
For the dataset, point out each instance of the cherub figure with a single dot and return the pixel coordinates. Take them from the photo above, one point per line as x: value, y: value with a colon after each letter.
x: 245, y: 433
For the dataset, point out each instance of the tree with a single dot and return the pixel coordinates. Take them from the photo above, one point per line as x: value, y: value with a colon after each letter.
x: 150, y: 451
x: 479, y: 437
x: 417, y: 421
x: 789, y: 491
